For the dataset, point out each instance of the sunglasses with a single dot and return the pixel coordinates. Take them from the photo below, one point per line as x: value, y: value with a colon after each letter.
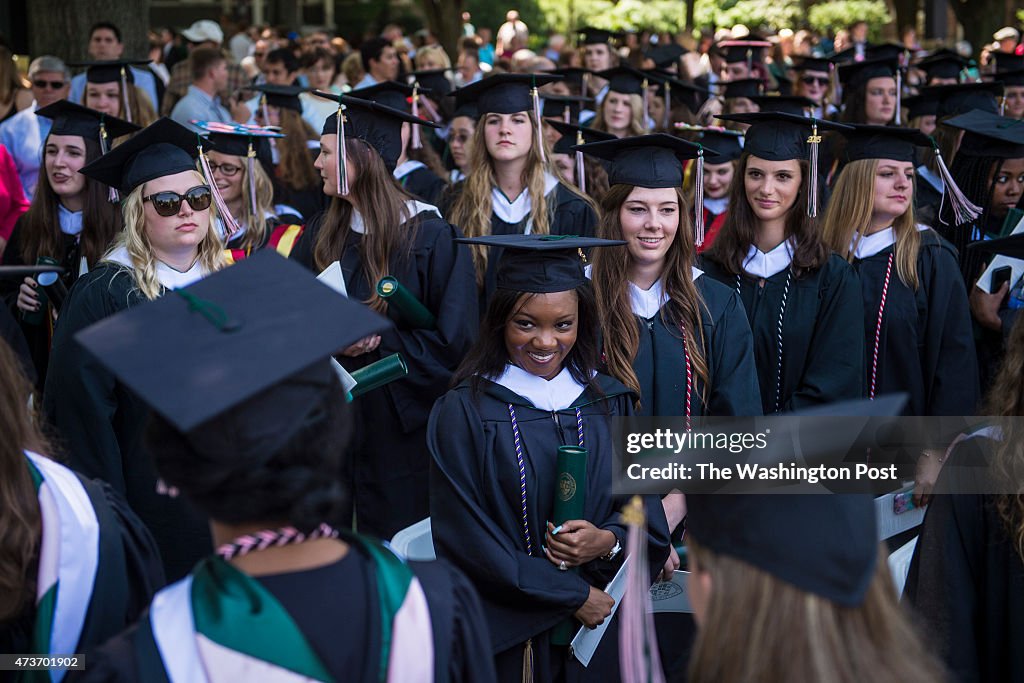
x: 229, y: 170
x: 169, y: 203
x: 53, y: 85
x: 812, y: 80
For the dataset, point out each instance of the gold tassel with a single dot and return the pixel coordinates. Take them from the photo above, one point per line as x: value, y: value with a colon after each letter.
x: 528, y: 661
x: 812, y: 186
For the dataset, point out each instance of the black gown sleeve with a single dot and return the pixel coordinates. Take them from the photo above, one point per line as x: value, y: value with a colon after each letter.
x: 734, y: 386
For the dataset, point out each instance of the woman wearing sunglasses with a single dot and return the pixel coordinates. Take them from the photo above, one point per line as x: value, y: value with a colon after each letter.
x: 70, y: 221
x: 166, y: 244
x: 813, y: 82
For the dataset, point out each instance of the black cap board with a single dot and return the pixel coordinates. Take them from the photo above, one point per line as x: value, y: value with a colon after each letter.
x: 390, y: 93
x: 791, y: 104
x: 196, y: 353
x: 727, y: 144
x: 857, y: 74
x: 681, y: 92
x: 1012, y: 246
x: 572, y: 75
x: 160, y: 149
x: 812, y: 64
x: 825, y: 544
x: 1008, y: 61
x: 109, y: 71
x: 645, y: 160
x: 989, y: 135
x: 282, y: 96
x: 597, y: 36
x: 884, y: 142
x: 885, y: 51
x: 504, y: 93
x: 625, y: 80
x: 777, y: 136
x: 74, y: 119
x: 736, y: 51
x: 743, y: 87
x: 1010, y: 78
x: 572, y: 134
x: 540, y: 264
x: 666, y: 55
x: 555, y: 106
x: 436, y: 82
x: 921, y: 105
x: 963, y: 97
x: 943, y: 64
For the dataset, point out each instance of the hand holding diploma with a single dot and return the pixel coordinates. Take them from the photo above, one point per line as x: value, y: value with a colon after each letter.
x: 596, y: 609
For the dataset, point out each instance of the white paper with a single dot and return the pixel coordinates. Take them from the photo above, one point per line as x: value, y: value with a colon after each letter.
x: 584, y: 645
x: 671, y: 596
x: 347, y: 381
x: 333, y: 278
x: 1016, y: 266
x: 899, y: 564
x: 890, y: 523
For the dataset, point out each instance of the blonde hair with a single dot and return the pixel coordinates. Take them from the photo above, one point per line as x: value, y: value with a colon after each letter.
x: 255, y: 223
x: 637, y: 126
x: 432, y: 51
x: 787, y: 634
x: 851, y: 206
x: 136, y: 241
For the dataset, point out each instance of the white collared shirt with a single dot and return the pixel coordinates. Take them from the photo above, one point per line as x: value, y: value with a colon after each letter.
x: 716, y: 206
x: 407, y: 167
x: 168, y: 277
x: 557, y: 393
x: 647, y: 302
x: 515, y: 210
x: 760, y: 264
x: 413, y: 207
x: 866, y: 246
x: 70, y: 221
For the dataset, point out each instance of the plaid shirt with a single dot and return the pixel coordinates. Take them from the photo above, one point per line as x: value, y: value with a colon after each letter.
x: 181, y: 78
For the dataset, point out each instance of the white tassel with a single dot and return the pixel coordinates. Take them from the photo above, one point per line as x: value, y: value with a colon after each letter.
x: 230, y: 224
x: 639, y: 661
x: 266, y: 122
x: 537, y: 122
x: 964, y: 211
x: 112, y: 196
x: 643, y: 94
x: 124, y: 95
x: 250, y: 161
x: 581, y: 174
x: 341, y: 163
x: 417, y: 143
x: 899, y: 91
x: 812, y: 183
x: 698, y: 199
x: 666, y: 119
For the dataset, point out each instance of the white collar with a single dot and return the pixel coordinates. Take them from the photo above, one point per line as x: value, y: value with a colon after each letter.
x: 558, y: 393
x: 519, y: 208
x: 413, y: 207
x: 407, y: 167
x: 866, y: 246
x: 716, y: 206
x: 647, y: 302
x: 456, y: 175
x: 165, y: 275
x: 70, y: 221
x: 760, y: 264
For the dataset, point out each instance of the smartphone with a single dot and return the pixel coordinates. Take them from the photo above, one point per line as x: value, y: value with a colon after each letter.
x: 1000, y: 276
x: 903, y: 502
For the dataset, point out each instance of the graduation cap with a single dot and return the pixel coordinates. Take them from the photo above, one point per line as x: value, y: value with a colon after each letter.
x: 280, y: 96
x: 742, y: 87
x: 654, y: 161
x: 74, y: 119
x: 943, y: 64
x: 505, y: 93
x: 563, y: 107
x: 572, y: 75
x: 749, y: 51
x: 111, y: 70
x: 825, y: 544
x: 1011, y: 246
x: 1008, y: 61
x: 540, y: 264
x: 1010, y: 78
x: 885, y: 51
x: 921, y: 105
x: 666, y: 55
x: 161, y: 149
x: 778, y: 136
x: 963, y: 97
x: 574, y: 134
x: 727, y: 144
x: 433, y: 81
x: 248, y: 346
x: 812, y: 64
x: 390, y: 93
x: 598, y: 36
x: 784, y: 86
x: 884, y: 142
x: 625, y: 80
x: 989, y: 135
x: 790, y: 104
x: 857, y: 74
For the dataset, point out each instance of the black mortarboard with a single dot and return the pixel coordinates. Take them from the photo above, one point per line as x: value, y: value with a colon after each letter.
x: 943, y: 64
x: 812, y: 64
x: 282, y: 96
x: 110, y: 71
x: 263, y: 325
x: 1014, y: 78
x: 777, y: 136
x: 845, y: 56
x: 236, y: 138
x: 963, y: 97
x: 790, y: 104
x: 74, y: 119
x: 597, y: 36
x: 1008, y: 61
x: 1011, y: 246
x: 825, y: 544
x: 504, y: 93
x: 645, y: 160
x: 666, y: 55
x: 750, y: 51
x: 784, y: 86
x: 884, y: 51
x: 989, y: 135
x: 625, y: 80
x: 743, y: 87
x: 725, y: 143
x: 884, y: 142
x: 681, y: 92
x: 160, y: 149
x: 390, y: 93
x: 554, y: 106
x: 433, y: 81
x: 378, y: 125
x: 572, y: 75
x: 573, y: 135
x: 540, y: 264
x: 922, y: 104
x: 856, y: 74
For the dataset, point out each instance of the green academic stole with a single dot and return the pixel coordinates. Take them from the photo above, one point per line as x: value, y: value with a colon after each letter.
x: 220, y: 625
x: 68, y: 561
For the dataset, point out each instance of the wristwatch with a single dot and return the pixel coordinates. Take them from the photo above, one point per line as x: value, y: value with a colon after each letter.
x: 614, y: 552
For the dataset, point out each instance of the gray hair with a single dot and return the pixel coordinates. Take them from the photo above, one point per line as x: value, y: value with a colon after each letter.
x: 48, y: 63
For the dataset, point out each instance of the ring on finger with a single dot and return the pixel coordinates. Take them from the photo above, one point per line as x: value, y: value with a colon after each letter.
x: 561, y: 566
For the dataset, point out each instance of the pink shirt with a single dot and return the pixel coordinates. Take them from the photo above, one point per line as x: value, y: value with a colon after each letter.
x: 12, y: 196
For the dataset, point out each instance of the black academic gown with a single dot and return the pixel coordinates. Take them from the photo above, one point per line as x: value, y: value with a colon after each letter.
x: 927, y: 200
x: 966, y: 580
x: 307, y: 201
x: 390, y: 457
x: 336, y: 608
x: 128, y: 573
x: 476, y: 516
x: 660, y: 364
x: 424, y: 184
x: 926, y: 346
x: 101, y: 422
x: 822, y: 344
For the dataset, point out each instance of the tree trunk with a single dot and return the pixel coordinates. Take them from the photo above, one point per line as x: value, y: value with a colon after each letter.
x: 980, y: 19
x: 444, y: 19
x: 905, y: 14
x: 59, y: 27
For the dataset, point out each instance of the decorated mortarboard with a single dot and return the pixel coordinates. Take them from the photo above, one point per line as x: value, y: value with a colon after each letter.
x: 989, y: 135
x: 573, y: 135
x: 742, y: 87
x: 1007, y: 61
x: 626, y: 80
x: 378, y: 125
x: 598, y: 36
x: 790, y: 104
x: 777, y: 136
x: 110, y: 70
x: 1010, y: 78
x: 74, y: 119
x: 249, y: 346
x: 654, y: 161
x: 563, y: 107
x: 822, y: 64
x: 434, y: 81
x: 943, y: 64
x: 749, y: 51
x: 281, y: 96
x: 540, y: 264
x: 666, y: 55
x: 825, y: 544
x: 390, y: 93
x: 160, y: 149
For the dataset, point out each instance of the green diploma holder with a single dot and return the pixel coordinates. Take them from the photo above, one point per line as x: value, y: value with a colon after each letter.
x: 570, y: 500
x: 412, y: 311
x: 376, y: 375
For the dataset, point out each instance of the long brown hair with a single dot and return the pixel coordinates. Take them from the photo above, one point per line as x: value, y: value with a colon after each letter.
x: 295, y: 165
x: 610, y: 276
x: 101, y: 220
x: 739, y: 229
x: 20, y: 520
x: 850, y: 209
x: 390, y: 231
x: 787, y: 634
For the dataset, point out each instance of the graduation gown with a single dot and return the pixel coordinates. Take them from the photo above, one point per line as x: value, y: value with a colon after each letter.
x: 966, y: 580
x: 390, y: 457
x: 101, y: 422
x: 336, y: 609
x: 660, y: 363
x: 477, y: 519
x: 926, y: 342
x: 420, y: 182
x: 105, y: 572
x: 822, y: 357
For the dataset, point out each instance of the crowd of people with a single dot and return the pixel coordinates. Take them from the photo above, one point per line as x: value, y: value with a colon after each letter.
x: 543, y: 235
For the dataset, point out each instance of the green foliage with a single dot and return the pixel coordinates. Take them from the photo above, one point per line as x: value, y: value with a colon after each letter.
x: 1020, y: 16
x: 754, y: 14
x: 829, y: 17
x: 662, y: 15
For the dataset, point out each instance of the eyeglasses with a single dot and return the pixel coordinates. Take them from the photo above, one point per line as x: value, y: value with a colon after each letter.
x: 169, y: 203
x: 42, y: 85
x: 229, y: 170
x: 814, y: 80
